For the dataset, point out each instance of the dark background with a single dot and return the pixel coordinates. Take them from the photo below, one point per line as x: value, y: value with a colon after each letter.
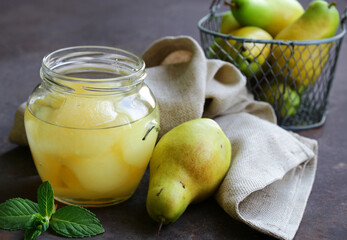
x: 31, y: 29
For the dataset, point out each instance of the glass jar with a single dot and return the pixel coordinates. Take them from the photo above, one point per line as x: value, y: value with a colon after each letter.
x: 92, y: 124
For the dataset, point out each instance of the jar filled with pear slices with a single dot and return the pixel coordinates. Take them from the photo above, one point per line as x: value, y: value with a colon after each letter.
x: 92, y: 124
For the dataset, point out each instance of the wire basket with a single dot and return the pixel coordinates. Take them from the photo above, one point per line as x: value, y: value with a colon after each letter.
x: 295, y: 77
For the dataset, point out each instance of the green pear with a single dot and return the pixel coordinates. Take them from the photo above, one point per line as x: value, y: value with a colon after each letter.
x: 282, y: 97
x: 305, y: 62
x: 187, y: 166
x: 271, y: 15
x: 218, y: 49
x: 228, y: 23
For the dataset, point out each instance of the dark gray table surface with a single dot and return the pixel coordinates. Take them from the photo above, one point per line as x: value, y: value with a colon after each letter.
x: 31, y: 29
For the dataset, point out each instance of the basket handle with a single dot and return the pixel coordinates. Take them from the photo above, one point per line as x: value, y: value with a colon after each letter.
x: 214, y: 6
x: 344, y: 19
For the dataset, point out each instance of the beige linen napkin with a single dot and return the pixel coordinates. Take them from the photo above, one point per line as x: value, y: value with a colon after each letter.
x: 272, y: 170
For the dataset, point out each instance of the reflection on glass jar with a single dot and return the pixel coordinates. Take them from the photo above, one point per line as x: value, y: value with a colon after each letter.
x: 92, y: 124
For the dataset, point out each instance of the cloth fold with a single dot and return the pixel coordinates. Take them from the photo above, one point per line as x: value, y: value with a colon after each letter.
x: 272, y: 170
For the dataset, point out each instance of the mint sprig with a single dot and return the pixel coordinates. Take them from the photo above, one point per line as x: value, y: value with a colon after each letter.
x: 69, y: 221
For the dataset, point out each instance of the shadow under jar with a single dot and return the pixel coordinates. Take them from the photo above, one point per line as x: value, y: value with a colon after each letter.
x: 92, y: 124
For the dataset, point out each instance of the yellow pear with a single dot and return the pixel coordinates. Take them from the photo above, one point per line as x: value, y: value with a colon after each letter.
x: 249, y: 56
x: 304, y: 63
x: 187, y: 166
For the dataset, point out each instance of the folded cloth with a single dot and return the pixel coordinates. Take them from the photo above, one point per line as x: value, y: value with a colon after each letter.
x: 272, y: 170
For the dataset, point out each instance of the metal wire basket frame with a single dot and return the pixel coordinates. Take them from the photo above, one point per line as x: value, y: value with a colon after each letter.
x: 295, y: 77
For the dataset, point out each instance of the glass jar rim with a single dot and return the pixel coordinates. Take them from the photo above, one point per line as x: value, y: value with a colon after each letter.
x: 137, y: 72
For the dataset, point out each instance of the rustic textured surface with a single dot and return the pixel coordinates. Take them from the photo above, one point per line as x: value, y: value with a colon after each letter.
x: 31, y: 29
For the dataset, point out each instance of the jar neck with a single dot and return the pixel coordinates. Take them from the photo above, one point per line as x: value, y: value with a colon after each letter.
x: 92, y: 70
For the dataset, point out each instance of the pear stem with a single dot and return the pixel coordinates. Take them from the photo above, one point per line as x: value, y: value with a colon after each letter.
x: 231, y: 4
x: 160, y: 226
x: 332, y: 4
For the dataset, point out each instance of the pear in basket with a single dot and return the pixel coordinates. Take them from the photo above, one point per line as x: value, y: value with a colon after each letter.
x: 270, y: 15
x: 282, y: 97
x: 247, y: 56
x: 228, y: 23
x: 304, y: 63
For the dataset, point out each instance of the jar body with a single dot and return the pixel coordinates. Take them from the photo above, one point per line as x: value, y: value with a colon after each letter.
x: 92, y: 148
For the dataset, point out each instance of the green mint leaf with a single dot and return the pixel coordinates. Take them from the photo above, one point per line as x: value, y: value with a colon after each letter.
x: 16, y: 212
x: 45, y: 199
x: 74, y: 221
x: 31, y: 234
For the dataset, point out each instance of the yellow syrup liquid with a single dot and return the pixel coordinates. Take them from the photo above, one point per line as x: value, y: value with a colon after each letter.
x: 100, y: 158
